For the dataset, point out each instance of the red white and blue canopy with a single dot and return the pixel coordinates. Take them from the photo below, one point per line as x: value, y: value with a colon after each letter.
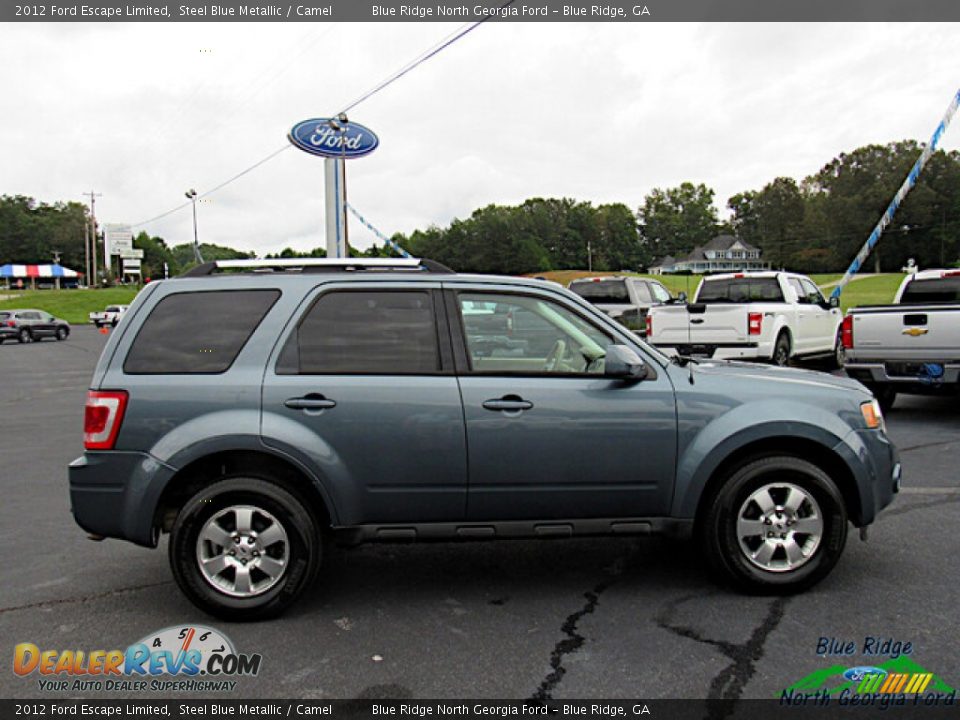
x: 36, y: 271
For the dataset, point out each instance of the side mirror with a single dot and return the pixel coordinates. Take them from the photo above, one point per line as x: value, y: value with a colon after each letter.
x: 681, y: 297
x: 623, y: 363
x: 834, y: 301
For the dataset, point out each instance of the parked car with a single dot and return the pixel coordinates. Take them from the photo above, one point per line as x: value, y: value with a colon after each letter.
x: 625, y: 299
x: 351, y: 401
x: 769, y: 316
x: 110, y: 316
x: 29, y: 325
x: 911, y: 346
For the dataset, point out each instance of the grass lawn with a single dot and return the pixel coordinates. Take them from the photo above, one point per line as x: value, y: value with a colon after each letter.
x: 73, y: 306
x: 874, y: 290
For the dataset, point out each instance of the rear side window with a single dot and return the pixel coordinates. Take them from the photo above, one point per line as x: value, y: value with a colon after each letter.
x: 740, y: 290
x: 197, y: 332
x: 365, y: 333
x: 937, y: 290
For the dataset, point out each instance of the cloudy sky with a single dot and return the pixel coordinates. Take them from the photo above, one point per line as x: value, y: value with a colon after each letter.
x: 599, y: 112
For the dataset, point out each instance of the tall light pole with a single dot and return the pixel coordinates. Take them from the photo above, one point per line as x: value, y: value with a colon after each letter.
x: 192, y: 196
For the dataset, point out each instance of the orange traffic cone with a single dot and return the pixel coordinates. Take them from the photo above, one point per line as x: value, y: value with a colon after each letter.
x: 104, y: 330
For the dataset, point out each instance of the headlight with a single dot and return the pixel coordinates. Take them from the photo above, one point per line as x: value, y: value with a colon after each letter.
x: 872, y: 415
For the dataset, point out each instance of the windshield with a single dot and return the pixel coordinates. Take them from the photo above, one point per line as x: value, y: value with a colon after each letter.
x: 603, y: 292
x: 935, y: 290
x: 740, y: 290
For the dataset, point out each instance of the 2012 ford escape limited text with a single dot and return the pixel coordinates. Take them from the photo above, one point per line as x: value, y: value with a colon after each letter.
x: 258, y: 410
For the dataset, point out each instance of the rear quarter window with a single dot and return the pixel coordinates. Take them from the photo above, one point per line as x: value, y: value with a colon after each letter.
x: 197, y: 332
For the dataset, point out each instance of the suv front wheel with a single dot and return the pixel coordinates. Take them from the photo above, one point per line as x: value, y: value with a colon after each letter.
x: 777, y: 525
x: 244, y: 548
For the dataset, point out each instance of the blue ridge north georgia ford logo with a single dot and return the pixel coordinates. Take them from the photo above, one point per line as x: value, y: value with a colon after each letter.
x: 333, y: 138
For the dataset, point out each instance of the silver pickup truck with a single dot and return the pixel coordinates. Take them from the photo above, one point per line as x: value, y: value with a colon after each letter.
x: 912, y: 346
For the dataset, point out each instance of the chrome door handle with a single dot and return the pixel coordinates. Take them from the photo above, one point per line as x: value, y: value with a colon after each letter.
x: 508, y: 403
x: 310, y: 402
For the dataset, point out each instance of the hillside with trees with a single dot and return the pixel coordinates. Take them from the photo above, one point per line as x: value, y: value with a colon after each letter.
x: 813, y: 225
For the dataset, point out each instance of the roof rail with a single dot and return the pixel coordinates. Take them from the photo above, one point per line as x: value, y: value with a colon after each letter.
x: 307, y: 265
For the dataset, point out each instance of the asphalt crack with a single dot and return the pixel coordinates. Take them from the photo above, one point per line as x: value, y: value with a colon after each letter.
x: 574, y: 640
x: 84, y: 598
x: 729, y: 683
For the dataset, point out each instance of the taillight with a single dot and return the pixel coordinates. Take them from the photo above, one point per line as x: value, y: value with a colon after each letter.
x: 11, y: 323
x: 102, y: 417
x: 846, y: 332
x: 649, y: 325
x: 754, y: 323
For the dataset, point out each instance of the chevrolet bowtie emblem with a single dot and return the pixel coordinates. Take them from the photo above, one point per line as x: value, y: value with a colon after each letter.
x: 914, y: 331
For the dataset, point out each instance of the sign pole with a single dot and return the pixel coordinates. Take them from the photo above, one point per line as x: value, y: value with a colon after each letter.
x: 336, y: 140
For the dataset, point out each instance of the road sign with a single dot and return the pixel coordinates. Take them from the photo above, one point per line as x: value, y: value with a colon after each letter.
x: 118, y: 238
x: 134, y: 253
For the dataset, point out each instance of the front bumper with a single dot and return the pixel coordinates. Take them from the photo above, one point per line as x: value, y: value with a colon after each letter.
x: 878, y: 474
x: 115, y: 494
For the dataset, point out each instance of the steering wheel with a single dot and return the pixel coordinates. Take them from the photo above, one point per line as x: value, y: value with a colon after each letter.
x: 555, y: 355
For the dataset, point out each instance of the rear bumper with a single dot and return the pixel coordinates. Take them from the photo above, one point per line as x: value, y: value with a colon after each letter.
x: 114, y: 494
x: 882, y: 372
x: 722, y: 351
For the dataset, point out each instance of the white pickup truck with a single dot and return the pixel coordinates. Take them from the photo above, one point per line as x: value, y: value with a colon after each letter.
x: 110, y: 316
x: 770, y: 316
x: 912, y: 346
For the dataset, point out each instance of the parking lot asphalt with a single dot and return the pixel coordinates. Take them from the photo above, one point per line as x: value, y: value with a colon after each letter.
x: 603, y: 618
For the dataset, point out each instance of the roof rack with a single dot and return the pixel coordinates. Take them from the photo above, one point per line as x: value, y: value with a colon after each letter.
x: 308, y: 265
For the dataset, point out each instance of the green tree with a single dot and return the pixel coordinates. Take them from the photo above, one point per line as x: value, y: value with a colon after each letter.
x: 676, y: 220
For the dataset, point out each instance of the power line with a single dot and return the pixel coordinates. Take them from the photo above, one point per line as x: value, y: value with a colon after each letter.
x: 419, y: 60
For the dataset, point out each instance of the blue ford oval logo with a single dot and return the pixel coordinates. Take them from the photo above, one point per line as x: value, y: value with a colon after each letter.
x: 857, y: 674
x: 336, y: 139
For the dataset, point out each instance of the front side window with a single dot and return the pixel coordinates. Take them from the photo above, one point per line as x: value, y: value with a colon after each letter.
x: 197, y: 332
x: 382, y: 332
x: 660, y: 293
x: 813, y: 293
x: 529, y: 335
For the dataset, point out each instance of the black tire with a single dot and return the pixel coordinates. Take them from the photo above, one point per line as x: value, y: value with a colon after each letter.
x: 719, y: 536
x: 302, y: 536
x: 62, y: 333
x: 781, y: 350
x: 886, y: 395
x: 839, y: 353
x: 113, y: 323
x: 24, y: 336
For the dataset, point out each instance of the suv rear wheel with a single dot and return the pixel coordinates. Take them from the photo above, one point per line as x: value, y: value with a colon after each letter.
x: 244, y: 548
x: 777, y: 525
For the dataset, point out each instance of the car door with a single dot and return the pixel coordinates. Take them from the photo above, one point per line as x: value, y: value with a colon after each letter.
x: 361, y: 387
x: 808, y: 327
x: 548, y: 436
x: 826, y: 318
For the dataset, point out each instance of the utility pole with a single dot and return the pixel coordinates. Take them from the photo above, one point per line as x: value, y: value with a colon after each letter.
x: 56, y: 260
x: 93, y: 235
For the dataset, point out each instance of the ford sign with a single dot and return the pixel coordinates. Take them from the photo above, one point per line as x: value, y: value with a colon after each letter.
x: 856, y: 674
x: 332, y: 138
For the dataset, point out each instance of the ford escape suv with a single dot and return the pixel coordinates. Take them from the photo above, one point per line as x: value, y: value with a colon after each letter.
x: 344, y: 401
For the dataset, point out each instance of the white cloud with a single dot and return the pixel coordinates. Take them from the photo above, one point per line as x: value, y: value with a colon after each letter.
x: 602, y: 112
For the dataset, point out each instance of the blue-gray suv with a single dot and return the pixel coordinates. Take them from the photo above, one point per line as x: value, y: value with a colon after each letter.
x: 345, y: 401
